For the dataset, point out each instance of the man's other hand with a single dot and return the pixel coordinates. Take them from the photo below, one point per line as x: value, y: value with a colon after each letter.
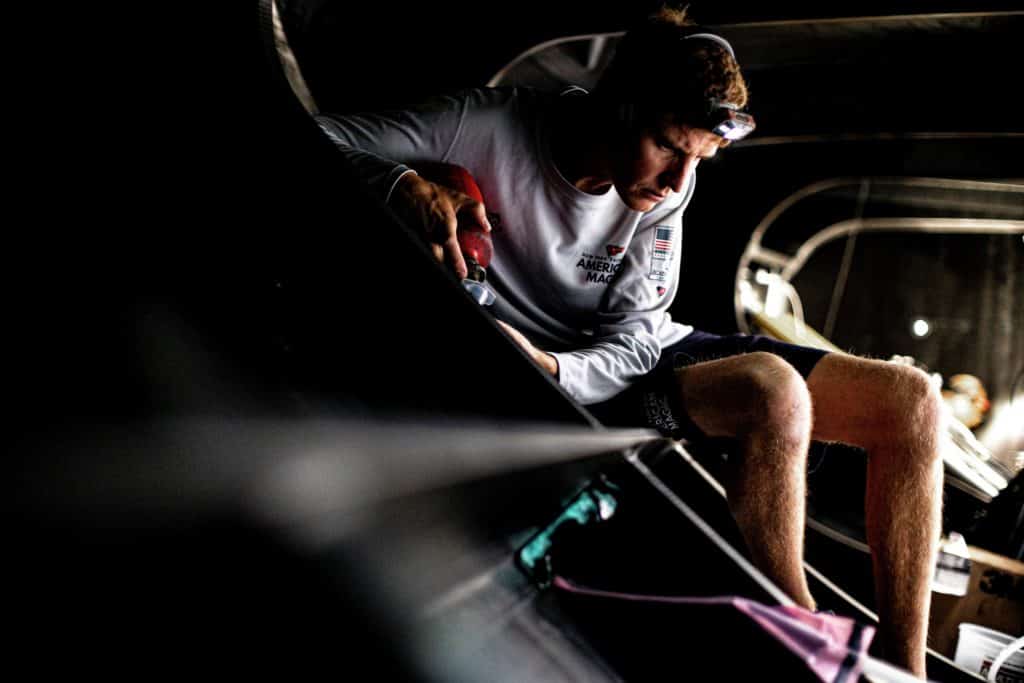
x: 438, y: 210
x: 541, y: 358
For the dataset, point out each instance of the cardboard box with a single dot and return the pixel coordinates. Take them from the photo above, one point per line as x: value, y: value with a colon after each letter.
x: 995, y: 599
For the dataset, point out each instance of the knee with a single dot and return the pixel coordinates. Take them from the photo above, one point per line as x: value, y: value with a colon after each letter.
x: 779, y: 400
x: 911, y: 408
x: 924, y: 399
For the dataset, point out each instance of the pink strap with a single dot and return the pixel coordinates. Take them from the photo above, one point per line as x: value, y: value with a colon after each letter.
x: 831, y: 645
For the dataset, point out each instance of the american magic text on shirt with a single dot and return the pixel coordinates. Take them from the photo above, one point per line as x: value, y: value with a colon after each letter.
x: 598, y: 268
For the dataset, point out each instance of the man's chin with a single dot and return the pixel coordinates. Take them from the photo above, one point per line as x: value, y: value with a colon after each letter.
x: 642, y: 202
x: 638, y: 200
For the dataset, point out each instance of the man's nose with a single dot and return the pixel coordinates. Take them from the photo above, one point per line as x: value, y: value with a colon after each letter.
x: 675, y: 177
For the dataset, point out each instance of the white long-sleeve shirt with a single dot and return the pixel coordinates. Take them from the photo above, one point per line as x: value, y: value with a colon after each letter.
x: 582, y: 275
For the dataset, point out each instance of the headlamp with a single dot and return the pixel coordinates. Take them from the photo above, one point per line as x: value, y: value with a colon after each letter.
x: 728, y: 122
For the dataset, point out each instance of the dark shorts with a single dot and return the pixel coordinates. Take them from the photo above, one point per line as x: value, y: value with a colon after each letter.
x: 653, y: 400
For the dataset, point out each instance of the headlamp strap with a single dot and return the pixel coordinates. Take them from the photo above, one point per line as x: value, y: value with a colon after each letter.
x: 715, y: 38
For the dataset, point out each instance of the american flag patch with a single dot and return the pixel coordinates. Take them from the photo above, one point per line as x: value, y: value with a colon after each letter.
x: 662, y: 240
x: 661, y: 253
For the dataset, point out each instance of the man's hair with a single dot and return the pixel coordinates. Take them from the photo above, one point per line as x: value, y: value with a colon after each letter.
x: 656, y: 67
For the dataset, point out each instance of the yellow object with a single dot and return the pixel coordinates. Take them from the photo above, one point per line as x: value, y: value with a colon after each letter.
x: 788, y: 329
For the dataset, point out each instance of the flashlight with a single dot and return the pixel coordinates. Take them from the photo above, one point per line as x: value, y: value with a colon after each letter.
x: 728, y: 121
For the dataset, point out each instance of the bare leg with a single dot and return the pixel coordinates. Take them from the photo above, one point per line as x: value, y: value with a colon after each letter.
x: 893, y: 413
x: 760, y: 400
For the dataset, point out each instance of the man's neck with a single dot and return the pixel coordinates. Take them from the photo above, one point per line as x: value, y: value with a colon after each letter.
x: 578, y: 149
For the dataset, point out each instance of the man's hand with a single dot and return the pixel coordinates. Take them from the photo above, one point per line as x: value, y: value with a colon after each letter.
x: 541, y: 358
x: 438, y: 209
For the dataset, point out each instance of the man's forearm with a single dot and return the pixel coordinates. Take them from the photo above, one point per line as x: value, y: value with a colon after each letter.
x: 548, y: 362
x: 539, y: 356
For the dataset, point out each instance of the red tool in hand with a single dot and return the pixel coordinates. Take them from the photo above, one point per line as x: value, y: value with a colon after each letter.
x: 474, y: 241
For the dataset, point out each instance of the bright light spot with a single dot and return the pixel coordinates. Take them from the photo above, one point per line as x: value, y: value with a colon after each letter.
x: 921, y: 328
x: 1003, y: 433
x: 775, y: 299
x: 749, y: 299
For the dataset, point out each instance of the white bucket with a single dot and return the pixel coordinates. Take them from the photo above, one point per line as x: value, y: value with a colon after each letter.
x: 977, y: 647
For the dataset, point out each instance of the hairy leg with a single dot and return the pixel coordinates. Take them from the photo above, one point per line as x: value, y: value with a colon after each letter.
x: 894, y: 414
x: 761, y: 401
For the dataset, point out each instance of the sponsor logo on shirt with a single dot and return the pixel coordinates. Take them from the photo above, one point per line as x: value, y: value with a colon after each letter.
x: 661, y: 291
x: 598, y: 267
x: 659, y: 413
x: 661, y: 253
x: 614, y: 250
